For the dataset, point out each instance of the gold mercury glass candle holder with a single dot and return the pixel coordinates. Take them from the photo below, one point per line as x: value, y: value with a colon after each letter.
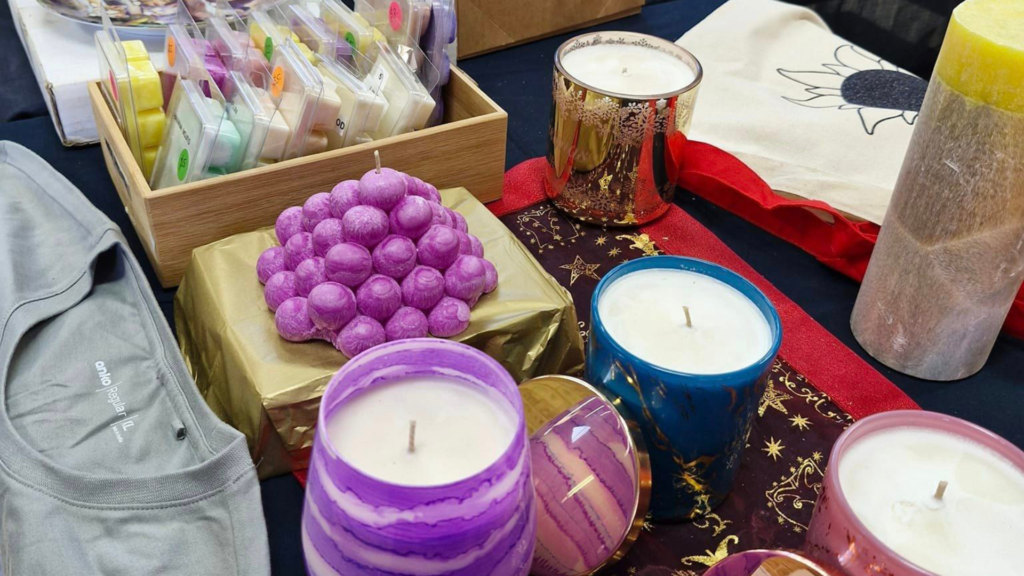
x: 608, y: 160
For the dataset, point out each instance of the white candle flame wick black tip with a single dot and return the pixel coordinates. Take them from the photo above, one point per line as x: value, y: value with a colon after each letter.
x: 941, y: 490
x: 376, y: 158
x: 412, y: 436
x: 686, y: 310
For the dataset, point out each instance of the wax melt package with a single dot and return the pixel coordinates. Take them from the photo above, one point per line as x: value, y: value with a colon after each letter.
x: 350, y: 26
x: 131, y: 86
x: 436, y: 44
x: 308, y: 106
x: 402, y: 22
x: 270, y: 388
x: 361, y: 108
x: 407, y: 92
x: 312, y: 31
x: 199, y: 141
x: 246, y: 89
x: 269, y: 29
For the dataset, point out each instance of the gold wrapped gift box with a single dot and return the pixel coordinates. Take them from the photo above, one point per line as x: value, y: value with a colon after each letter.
x: 270, y: 389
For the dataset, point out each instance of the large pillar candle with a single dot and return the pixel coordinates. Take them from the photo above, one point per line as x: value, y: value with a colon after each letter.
x: 950, y: 254
x: 912, y: 493
x: 685, y: 347
x: 420, y: 467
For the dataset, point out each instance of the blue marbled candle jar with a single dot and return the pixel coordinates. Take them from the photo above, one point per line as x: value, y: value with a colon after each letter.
x: 695, y: 425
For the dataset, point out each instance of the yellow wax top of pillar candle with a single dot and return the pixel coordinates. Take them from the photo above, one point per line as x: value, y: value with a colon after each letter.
x: 982, y: 56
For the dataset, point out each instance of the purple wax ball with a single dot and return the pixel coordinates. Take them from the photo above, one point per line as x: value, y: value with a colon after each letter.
x: 348, y: 264
x: 458, y: 221
x: 422, y: 288
x: 344, y: 197
x: 298, y: 248
x: 365, y: 225
x: 316, y: 209
x: 411, y: 217
x: 430, y: 193
x: 414, y: 186
x: 449, y: 318
x: 280, y: 287
x: 382, y: 188
x: 331, y: 306
x: 269, y: 263
x: 326, y: 235
x: 465, y: 278
x: 438, y: 248
x: 439, y: 216
x: 361, y: 334
x: 293, y: 322
x: 465, y: 244
x: 407, y: 322
x: 288, y: 224
x: 395, y: 256
x: 309, y: 274
x: 490, y: 277
x: 476, y: 246
x: 379, y: 297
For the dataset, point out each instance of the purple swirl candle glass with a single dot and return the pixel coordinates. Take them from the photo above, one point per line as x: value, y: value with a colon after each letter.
x: 913, y: 493
x: 420, y: 467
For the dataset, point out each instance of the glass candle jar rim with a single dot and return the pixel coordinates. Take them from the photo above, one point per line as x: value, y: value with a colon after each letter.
x: 697, y: 266
x: 796, y: 556
x: 685, y: 55
x: 909, y: 419
x: 641, y: 458
x: 504, y: 378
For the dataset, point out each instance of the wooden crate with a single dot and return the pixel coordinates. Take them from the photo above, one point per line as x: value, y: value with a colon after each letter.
x: 467, y: 150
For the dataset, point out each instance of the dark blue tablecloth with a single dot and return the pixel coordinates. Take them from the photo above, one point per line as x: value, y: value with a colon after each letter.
x: 519, y: 80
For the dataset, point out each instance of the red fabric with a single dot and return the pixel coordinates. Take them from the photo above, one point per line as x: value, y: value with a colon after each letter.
x: 814, y: 226
x: 828, y: 364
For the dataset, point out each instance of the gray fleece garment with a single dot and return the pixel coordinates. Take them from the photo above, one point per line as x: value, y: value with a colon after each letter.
x: 110, y: 462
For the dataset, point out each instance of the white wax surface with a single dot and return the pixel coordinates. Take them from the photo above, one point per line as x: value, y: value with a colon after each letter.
x: 643, y: 312
x: 889, y: 478
x: 460, y: 431
x: 627, y: 69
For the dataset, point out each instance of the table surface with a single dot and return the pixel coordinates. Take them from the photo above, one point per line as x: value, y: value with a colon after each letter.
x: 519, y: 80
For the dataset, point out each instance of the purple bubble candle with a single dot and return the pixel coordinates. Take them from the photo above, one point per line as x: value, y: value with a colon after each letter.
x: 280, y: 287
x: 382, y: 187
x: 439, y: 216
x: 465, y: 278
x: 359, y: 335
x: 331, y: 306
x: 298, y: 248
x: 407, y: 322
x: 309, y: 274
x: 293, y: 322
x: 490, y: 276
x: 449, y: 318
x: 450, y: 495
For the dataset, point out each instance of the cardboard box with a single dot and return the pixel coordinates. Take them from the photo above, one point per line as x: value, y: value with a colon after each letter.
x: 270, y: 389
x: 468, y: 150
x: 488, y: 25
x: 63, y: 57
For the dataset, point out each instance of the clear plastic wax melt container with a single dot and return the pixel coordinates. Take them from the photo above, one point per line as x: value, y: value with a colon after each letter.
x: 311, y: 31
x: 227, y: 35
x: 408, y: 93
x: 350, y: 26
x: 269, y: 29
x: 199, y: 141
x: 307, y: 108
x: 131, y: 86
x: 361, y: 108
x: 402, y: 22
x: 436, y: 42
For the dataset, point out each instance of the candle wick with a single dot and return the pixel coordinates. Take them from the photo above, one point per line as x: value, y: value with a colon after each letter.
x: 941, y: 490
x: 412, y: 436
x: 376, y: 158
x: 686, y: 310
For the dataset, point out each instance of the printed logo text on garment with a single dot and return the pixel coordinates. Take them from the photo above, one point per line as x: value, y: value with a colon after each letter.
x: 112, y: 391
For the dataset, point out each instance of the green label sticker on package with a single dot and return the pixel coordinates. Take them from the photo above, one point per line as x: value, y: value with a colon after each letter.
x: 268, y: 48
x: 183, y: 164
x: 350, y: 38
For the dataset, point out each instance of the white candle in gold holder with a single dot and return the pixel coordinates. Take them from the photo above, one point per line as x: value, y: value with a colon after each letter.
x: 951, y: 251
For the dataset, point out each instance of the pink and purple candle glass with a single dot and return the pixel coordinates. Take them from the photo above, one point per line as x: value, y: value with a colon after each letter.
x: 355, y: 524
x: 914, y: 493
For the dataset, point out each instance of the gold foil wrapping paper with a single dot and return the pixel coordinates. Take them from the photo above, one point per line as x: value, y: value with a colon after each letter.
x: 270, y: 389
